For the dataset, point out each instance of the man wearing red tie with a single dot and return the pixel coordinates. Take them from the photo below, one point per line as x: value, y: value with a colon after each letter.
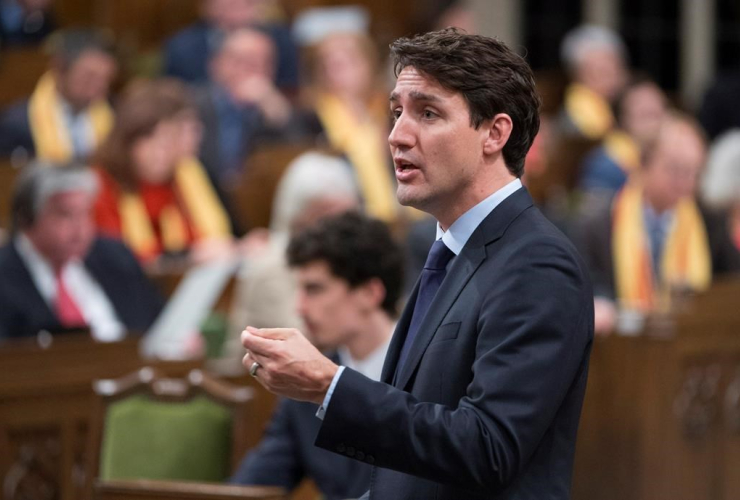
x: 56, y: 274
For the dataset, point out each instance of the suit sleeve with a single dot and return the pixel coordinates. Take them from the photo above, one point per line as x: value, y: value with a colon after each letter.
x: 534, y: 330
x: 276, y: 459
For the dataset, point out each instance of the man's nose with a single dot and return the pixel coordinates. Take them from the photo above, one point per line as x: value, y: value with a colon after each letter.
x: 402, y: 134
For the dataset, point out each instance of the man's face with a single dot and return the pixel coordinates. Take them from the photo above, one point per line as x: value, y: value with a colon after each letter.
x: 88, y: 78
x: 674, y: 167
x: 330, y: 308
x: 64, y: 229
x: 603, y: 71
x: 437, y: 153
x: 244, y: 56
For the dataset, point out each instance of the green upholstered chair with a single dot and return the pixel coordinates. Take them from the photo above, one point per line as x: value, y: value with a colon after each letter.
x: 150, y: 427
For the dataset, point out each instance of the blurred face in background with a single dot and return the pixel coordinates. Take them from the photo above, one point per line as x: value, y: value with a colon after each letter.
x: 87, y: 79
x: 643, y: 110
x: 245, y: 56
x: 602, y: 70
x: 346, y: 67
x: 190, y: 133
x: 155, y: 155
x: 331, y: 309
x: 63, y: 229
x: 228, y: 15
x: 673, y: 167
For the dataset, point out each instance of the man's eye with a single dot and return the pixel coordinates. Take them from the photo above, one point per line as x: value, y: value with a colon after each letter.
x: 427, y: 114
x: 395, y: 114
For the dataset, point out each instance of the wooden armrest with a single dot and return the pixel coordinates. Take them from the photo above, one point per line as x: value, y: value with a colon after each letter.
x: 164, y: 490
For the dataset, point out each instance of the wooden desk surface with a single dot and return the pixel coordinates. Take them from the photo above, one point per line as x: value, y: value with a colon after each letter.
x: 162, y: 490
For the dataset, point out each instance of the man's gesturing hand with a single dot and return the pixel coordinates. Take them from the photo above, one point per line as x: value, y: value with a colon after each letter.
x: 289, y: 364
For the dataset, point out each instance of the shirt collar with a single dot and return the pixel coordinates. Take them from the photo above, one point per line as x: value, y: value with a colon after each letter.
x: 460, y: 231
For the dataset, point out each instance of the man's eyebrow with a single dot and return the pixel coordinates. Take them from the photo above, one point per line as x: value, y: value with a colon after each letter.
x: 415, y: 95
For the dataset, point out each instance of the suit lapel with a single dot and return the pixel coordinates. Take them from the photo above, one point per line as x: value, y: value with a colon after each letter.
x: 26, y: 288
x: 462, y: 269
x: 399, y: 336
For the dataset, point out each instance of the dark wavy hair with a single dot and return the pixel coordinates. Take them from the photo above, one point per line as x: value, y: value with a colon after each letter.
x: 357, y: 249
x: 490, y: 76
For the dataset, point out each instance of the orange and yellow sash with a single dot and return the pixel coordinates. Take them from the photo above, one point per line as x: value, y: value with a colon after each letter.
x: 588, y: 111
x: 685, y: 262
x: 209, y: 218
x: 50, y: 135
x: 363, y: 144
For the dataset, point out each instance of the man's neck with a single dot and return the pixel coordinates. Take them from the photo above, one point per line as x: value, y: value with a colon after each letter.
x: 483, y: 191
x: 374, y: 333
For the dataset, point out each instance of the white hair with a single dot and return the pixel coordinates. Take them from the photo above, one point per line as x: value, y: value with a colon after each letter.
x: 310, y: 177
x: 587, y: 37
x: 720, y: 185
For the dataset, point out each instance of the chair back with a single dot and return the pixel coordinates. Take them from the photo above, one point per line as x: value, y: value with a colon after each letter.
x: 151, y: 427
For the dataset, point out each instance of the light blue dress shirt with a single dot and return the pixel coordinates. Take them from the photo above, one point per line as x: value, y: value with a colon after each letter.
x: 455, y: 238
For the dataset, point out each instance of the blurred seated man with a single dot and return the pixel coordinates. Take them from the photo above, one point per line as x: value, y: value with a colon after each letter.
x: 349, y: 273
x: 56, y: 274
x: 651, y: 241
x: 25, y: 22
x: 595, y: 58
x: 68, y: 115
x: 241, y: 106
x: 187, y: 53
x: 640, y: 110
x: 314, y: 186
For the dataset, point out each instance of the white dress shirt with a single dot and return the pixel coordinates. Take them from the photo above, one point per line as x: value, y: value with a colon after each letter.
x: 86, y: 292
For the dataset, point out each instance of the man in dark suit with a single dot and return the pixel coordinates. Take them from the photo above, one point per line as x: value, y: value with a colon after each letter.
x: 482, y: 387
x: 349, y: 273
x: 56, y: 275
x: 82, y: 68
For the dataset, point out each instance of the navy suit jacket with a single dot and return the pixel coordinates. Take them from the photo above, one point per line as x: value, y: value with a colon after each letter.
x: 488, y: 402
x: 24, y: 312
x: 287, y: 454
x: 15, y: 130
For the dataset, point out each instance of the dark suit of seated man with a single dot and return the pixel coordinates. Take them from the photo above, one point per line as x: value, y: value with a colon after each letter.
x: 56, y: 275
x: 349, y: 275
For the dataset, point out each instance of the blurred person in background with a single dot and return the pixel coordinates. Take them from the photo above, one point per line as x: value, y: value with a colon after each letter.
x: 68, y: 114
x: 25, y: 22
x: 188, y: 52
x: 349, y: 272
x: 720, y: 190
x: 640, y: 109
x: 155, y: 194
x: 720, y: 107
x: 596, y: 60
x: 314, y: 186
x: 241, y: 107
x: 351, y: 105
x: 57, y: 274
x: 651, y: 241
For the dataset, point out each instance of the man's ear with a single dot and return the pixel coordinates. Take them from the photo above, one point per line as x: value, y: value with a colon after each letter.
x: 498, y: 131
x: 372, y: 294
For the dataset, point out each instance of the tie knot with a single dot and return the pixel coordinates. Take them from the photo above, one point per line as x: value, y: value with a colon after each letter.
x: 439, y: 256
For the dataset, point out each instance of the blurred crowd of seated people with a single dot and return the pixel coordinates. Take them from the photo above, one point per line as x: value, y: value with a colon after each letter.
x: 616, y: 161
x: 120, y: 172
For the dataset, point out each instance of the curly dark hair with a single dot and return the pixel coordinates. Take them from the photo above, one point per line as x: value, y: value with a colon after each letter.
x: 490, y: 76
x: 356, y: 249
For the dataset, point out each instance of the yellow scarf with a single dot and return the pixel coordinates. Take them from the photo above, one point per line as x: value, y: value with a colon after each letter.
x: 588, y: 111
x: 201, y: 203
x: 685, y: 262
x: 50, y: 135
x: 623, y: 150
x: 361, y: 142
